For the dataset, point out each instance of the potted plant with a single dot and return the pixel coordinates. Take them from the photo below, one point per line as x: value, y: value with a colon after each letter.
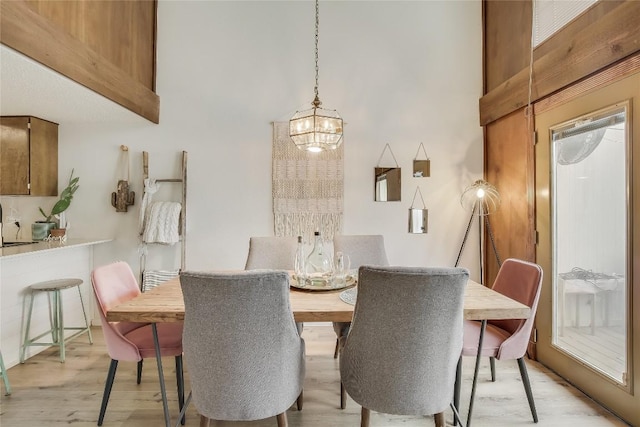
x: 41, y: 229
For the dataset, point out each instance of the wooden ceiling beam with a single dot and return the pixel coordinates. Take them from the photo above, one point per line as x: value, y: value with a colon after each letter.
x: 29, y: 33
x: 611, y: 38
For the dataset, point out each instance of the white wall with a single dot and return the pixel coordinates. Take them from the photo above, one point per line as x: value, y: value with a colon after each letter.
x: 398, y: 72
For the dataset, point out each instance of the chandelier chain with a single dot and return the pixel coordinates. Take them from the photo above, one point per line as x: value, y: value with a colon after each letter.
x: 316, y: 101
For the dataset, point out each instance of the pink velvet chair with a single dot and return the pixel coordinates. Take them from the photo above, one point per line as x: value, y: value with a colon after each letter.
x: 114, y: 284
x: 507, y: 339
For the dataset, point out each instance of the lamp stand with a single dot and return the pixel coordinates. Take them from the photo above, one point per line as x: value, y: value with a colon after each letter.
x: 478, y: 207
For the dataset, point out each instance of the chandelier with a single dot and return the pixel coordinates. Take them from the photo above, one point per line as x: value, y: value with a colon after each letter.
x: 316, y: 129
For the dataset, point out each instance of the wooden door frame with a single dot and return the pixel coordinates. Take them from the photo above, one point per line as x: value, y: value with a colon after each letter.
x: 610, y: 394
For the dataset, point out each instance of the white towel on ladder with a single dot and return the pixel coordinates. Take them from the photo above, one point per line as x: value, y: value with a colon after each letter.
x: 161, y: 224
x: 150, y: 188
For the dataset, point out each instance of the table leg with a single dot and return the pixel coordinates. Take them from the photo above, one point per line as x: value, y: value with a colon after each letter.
x: 483, y: 326
x: 163, y: 391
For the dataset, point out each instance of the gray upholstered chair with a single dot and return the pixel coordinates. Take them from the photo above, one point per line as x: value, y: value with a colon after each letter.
x: 401, y: 354
x: 273, y: 253
x: 362, y: 250
x: 243, y: 353
x: 276, y: 253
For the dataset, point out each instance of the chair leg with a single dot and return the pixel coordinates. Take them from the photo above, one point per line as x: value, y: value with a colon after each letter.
x: 282, y: 419
x: 364, y: 417
x: 180, y: 383
x: 492, y: 363
x: 457, y: 386
x: 456, y: 415
x: 107, y: 389
x: 439, y: 419
x: 300, y: 400
x: 343, y: 396
x: 5, y: 377
x: 204, y: 421
x: 183, y: 410
x: 58, y: 314
x: 51, y: 298
x: 26, y: 341
x: 86, y: 319
x: 139, y: 374
x: 527, y: 388
x: 340, y: 342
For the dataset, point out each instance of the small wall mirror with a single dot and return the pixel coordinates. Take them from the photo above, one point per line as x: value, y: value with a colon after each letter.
x: 418, y: 218
x: 421, y: 168
x: 387, y: 184
x: 418, y: 221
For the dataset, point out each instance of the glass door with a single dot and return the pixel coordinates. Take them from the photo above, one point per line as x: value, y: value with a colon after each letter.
x: 589, y: 232
x: 584, y: 200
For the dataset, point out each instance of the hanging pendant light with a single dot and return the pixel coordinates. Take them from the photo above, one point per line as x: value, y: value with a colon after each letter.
x: 316, y: 129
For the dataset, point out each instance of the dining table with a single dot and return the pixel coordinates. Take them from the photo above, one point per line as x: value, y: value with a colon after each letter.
x: 165, y: 303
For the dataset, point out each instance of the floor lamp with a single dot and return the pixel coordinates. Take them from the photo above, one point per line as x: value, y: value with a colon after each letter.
x: 481, y: 199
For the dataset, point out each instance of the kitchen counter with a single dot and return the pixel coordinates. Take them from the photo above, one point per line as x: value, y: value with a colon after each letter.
x: 12, y: 251
x: 24, y: 265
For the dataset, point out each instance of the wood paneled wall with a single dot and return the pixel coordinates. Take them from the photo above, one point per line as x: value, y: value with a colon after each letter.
x: 507, y: 40
x: 123, y: 32
x: 511, y: 156
x: 607, y: 33
x: 107, y: 46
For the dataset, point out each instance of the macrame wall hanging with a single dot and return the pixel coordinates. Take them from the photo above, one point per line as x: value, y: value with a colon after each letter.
x: 307, y: 188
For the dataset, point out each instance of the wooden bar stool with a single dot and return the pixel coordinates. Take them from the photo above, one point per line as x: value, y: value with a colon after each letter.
x: 56, y: 318
x: 5, y: 378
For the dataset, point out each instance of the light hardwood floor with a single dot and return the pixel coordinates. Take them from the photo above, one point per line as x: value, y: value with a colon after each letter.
x: 48, y: 393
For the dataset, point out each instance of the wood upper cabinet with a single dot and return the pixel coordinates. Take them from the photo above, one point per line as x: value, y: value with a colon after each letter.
x: 28, y: 156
